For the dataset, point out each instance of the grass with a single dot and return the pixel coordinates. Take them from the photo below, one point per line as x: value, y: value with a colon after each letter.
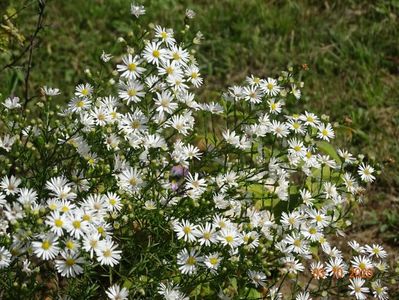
x: 351, y: 48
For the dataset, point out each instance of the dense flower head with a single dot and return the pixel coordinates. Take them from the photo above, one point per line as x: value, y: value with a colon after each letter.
x: 162, y: 192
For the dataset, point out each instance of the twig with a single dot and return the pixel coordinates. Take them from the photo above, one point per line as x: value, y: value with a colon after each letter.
x: 39, y: 26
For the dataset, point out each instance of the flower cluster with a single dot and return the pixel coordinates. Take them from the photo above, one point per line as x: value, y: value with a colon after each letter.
x: 141, y: 186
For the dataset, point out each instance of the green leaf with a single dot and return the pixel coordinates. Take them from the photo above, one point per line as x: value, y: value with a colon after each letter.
x: 328, y: 149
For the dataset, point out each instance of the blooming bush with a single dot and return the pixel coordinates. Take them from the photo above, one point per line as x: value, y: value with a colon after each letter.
x: 139, y: 189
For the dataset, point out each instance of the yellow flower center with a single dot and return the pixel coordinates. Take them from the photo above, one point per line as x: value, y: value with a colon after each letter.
x: 156, y: 53
x: 213, y: 261
x: 270, y: 86
x: 229, y: 239
x: 132, y: 67
x: 186, y: 230
x: 85, y: 92
x: 58, y: 223
x: 70, y: 245
x: 191, y: 261
x: 132, y: 92
x: 76, y: 224
x: 69, y: 261
x: 46, y: 245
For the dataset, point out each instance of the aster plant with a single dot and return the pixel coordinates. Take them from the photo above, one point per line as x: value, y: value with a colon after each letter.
x: 138, y: 189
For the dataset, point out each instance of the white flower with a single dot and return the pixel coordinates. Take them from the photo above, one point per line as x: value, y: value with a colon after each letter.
x: 190, y: 13
x: 12, y: 102
x: 107, y: 253
x: 84, y: 90
x: 137, y: 10
x: 212, y: 261
x: 188, y: 261
x: 357, y: 288
x: 51, y: 91
x: 130, y: 68
x: 56, y: 222
x: 325, y: 132
x: 105, y: 57
x: 166, y: 35
x: 5, y: 258
x: 47, y: 248
x: 257, y: 278
x: 365, y: 171
x: 130, y: 180
x: 115, y: 292
x: 131, y: 91
x: 376, y: 250
x: 187, y: 231
x: 154, y: 54
x: 270, y: 87
x: 69, y: 265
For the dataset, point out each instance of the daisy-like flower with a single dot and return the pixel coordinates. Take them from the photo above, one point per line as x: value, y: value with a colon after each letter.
x: 113, y: 202
x: 105, y: 57
x: 115, y: 292
x: 187, y: 231
x: 84, y: 90
x: 190, y: 14
x: 252, y: 94
x: 212, y: 261
x: 362, y: 266
x: 357, y: 288
x: 379, y: 291
x: 336, y: 268
x: 69, y: 265
x: 188, y: 261
x: 48, y: 91
x: 275, y: 106
x: 318, y: 217
x: 130, y: 180
x: 75, y: 224
x: 206, y: 234
x: 79, y: 104
x: 47, y: 248
x: 195, y: 183
x: 326, y: 132
x: 171, y: 292
x: 365, y: 171
x: 270, y: 87
x: 178, y: 55
x: 56, y: 222
x: 154, y: 54
x: 230, y: 237
x: 356, y: 246
x: 10, y: 184
x: 318, y: 271
x: 279, y: 129
x: 107, y: 253
x: 303, y: 296
x: 165, y: 103
x: 292, y: 265
x: 131, y: 91
x: 376, y: 250
x: 12, y: 102
x: 91, y: 242
x: 194, y: 75
x: 310, y: 119
x: 130, y: 68
x: 166, y: 35
x: 137, y: 10
x: 348, y: 157
x: 257, y: 278
x: 5, y: 258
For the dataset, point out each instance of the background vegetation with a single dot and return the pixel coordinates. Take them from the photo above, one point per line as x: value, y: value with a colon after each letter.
x: 350, y: 47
